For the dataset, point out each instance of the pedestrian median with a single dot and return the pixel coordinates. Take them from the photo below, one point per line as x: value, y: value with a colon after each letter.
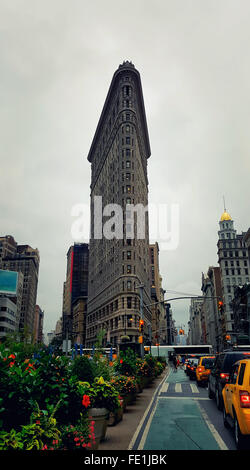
x: 126, y: 433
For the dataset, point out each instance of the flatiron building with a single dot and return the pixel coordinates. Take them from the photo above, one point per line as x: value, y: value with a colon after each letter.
x: 119, y: 261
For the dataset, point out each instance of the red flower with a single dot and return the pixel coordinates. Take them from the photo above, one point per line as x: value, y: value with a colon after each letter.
x: 85, y: 401
x: 12, y: 356
x: 121, y: 361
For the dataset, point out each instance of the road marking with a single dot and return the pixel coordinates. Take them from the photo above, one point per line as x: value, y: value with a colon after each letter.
x: 164, y: 387
x: 212, y: 429
x: 194, y: 388
x: 178, y: 388
x: 133, y: 440
x: 183, y: 398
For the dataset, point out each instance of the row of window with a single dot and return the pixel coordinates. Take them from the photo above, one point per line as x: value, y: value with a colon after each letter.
x: 238, y: 271
x: 7, y: 320
x: 237, y: 263
x: 126, y: 302
x: 233, y: 254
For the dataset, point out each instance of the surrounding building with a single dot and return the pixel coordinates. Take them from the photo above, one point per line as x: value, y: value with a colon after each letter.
x: 79, y: 320
x: 234, y: 268
x: 212, y: 295
x: 170, y: 325
x: 24, y: 259
x: 118, y: 254
x: 247, y: 243
x: 75, y: 288
x: 157, y: 296
x: 241, y: 312
x: 38, y: 325
x: 195, y: 321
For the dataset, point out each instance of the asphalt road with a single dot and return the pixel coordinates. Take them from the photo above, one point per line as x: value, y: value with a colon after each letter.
x: 182, y: 417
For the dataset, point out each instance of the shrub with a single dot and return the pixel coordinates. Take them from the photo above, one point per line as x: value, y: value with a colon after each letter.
x: 102, y: 394
x: 124, y: 384
x: 126, y: 363
x: 83, y: 370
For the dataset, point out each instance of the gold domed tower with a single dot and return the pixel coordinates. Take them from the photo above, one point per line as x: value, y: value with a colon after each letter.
x: 225, y: 216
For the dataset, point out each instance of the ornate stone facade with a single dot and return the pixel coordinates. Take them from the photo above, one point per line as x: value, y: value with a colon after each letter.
x: 118, y: 265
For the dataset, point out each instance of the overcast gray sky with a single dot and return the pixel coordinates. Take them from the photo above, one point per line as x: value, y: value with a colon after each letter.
x: 57, y: 59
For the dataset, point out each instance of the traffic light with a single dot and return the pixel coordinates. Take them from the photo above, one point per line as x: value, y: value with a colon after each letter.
x: 220, y: 306
x: 141, y: 324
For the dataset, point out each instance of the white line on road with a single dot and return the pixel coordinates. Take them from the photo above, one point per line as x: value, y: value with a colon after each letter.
x: 212, y: 429
x: 164, y: 388
x: 194, y: 388
x: 183, y: 398
x: 178, y: 388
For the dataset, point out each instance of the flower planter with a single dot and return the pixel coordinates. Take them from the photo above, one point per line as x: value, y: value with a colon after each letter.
x: 100, y: 417
x: 145, y: 381
x: 139, y: 387
x: 130, y: 398
x: 115, y: 417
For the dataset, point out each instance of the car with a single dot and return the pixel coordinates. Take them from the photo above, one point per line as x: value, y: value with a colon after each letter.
x: 192, y: 369
x: 220, y: 373
x: 236, y: 402
x: 203, y: 369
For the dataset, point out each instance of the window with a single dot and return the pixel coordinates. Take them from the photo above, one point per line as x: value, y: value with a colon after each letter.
x: 129, y: 302
x: 127, y: 164
x: 241, y: 374
x: 129, y: 286
x: 129, y: 269
x: 234, y: 375
x: 128, y: 254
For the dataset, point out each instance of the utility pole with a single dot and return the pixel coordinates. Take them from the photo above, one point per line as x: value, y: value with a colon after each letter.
x: 141, y: 286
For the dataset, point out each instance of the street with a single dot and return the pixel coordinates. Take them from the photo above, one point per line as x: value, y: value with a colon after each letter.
x: 182, y: 417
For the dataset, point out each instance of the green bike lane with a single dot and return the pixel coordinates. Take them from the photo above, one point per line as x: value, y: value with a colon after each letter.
x: 176, y: 421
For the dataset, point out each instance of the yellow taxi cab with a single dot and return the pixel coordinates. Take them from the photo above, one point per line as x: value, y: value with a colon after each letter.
x: 236, y: 398
x: 203, y: 369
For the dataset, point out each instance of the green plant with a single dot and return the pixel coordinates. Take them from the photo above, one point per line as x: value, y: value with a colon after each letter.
x: 126, y: 363
x: 124, y: 384
x: 81, y: 435
x: 41, y: 433
x: 11, y: 440
x: 102, y: 394
x: 83, y: 370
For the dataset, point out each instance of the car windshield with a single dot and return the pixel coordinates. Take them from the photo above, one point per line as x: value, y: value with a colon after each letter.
x: 208, y: 362
x: 194, y: 362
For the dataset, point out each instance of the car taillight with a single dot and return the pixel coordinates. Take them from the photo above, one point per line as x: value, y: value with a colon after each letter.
x: 224, y: 376
x: 188, y: 366
x: 200, y: 369
x: 244, y: 399
x: 192, y: 368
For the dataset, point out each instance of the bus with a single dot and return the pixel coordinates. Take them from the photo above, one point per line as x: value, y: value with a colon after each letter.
x: 187, y: 349
x: 89, y: 351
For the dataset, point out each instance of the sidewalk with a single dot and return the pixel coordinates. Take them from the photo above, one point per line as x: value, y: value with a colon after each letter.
x: 118, y: 437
